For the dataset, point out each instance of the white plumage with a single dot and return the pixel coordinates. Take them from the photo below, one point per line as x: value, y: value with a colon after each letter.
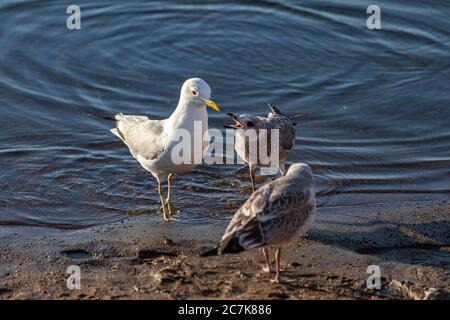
x: 151, y: 142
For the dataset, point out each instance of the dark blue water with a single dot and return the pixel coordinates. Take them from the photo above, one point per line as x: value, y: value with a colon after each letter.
x: 379, y: 128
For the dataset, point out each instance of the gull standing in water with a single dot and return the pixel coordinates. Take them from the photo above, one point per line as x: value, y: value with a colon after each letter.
x: 274, y: 120
x: 151, y: 141
x: 273, y: 215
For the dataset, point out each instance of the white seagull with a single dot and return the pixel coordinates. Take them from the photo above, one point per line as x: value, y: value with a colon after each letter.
x: 248, y: 146
x: 273, y: 215
x: 151, y: 141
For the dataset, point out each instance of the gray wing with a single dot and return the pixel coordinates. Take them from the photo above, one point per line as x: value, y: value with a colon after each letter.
x: 271, y: 215
x: 287, y: 134
x: 141, y: 134
x: 286, y: 130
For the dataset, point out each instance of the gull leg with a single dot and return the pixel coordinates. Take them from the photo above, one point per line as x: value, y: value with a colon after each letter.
x: 277, y: 265
x: 169, y: 177
x: 252, y: 177
x: 267, y: 267
x: 168, y: 201
x: 160, y: 191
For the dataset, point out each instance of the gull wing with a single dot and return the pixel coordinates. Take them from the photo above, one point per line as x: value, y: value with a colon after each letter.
x: 141, y: 134
x: 287, y: 136
x: 277, y: 120
x: 271, y: 215
x: 273, y: 108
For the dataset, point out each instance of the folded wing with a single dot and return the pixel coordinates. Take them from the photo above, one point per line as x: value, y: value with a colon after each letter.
x: 142, y: 135
x: 271, y: 215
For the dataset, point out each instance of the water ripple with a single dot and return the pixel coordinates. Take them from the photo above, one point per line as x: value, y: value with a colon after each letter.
x: 378, y: 101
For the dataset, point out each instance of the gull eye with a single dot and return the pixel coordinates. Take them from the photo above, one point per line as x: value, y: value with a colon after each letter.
x: 195, y: 93
x: 250, y: 124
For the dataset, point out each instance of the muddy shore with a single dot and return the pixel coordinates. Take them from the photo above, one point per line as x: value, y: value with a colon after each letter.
x: 137, y: 258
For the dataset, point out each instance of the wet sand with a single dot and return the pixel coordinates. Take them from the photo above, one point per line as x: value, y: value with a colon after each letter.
x: 139, y: 259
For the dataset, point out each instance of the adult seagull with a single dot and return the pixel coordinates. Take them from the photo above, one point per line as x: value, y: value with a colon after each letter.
x: 151, y: 142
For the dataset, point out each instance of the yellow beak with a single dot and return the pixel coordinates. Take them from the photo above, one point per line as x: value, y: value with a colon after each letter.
x: 211, y: 104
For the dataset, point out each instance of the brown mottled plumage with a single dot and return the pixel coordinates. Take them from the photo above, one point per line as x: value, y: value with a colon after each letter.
x: 273, y: 215
x: 247, y: 144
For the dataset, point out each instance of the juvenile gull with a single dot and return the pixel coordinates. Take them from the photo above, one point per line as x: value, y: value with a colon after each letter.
x: 273, y: 215
x: 151, y: 141
x: 245, y: 143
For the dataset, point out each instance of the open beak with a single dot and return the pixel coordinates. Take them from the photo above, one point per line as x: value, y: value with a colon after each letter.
x: 237, y: 124
x: 211, y: 104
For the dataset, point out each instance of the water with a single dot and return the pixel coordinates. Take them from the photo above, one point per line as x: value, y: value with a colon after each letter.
x: 379, y: 128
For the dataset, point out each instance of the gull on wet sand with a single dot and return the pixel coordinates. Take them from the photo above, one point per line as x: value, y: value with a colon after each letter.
x: 246, y: 143
x: 272, y: 216
x: 151, y: 141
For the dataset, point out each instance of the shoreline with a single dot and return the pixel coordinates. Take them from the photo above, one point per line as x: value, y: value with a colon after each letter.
x: 137, y: 258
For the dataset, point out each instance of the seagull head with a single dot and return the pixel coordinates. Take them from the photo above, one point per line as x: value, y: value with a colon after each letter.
x: 300, y: 170
x: 197, y: 92
x: 244, y: 121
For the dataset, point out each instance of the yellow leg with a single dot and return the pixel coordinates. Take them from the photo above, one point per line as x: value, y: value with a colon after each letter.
x: 160, y: 191
x: 169, y: 178
x: 170, y: 207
